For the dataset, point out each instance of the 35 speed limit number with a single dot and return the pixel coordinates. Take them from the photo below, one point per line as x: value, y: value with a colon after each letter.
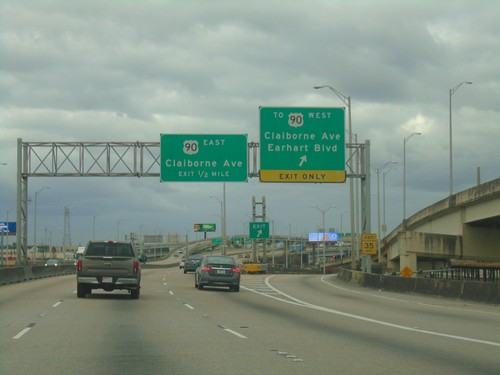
x: 369, y: 243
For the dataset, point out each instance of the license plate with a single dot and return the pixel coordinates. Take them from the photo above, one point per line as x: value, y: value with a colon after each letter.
x: 106, y: 279
x: 221, y: 272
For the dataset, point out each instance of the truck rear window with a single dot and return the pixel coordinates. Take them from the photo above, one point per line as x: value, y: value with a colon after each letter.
x: 110, y: 250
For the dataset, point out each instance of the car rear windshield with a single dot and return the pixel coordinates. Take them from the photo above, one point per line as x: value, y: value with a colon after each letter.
x: 221, y: 261
x: 110, y: 249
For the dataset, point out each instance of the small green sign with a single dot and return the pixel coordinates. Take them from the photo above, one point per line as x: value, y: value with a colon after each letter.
x: 259, y: 229
x: 203, y: 157
x: 216, y: 241
x: 204, y: 227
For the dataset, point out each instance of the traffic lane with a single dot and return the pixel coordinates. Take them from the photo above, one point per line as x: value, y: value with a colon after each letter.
x: 159, y: 333
x: 422, y: 313
x: 170, y: 332
x: 28, y: 302
x: 311, y: 332
x: 266, y: 347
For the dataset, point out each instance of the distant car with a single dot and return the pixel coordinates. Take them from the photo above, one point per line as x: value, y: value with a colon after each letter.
x: 53, y: 262
x: 191, y: 263
x: 218, y: 271
x: 181, y: 263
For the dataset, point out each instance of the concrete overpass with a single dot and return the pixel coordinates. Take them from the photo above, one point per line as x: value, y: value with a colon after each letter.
x: 464, y: 226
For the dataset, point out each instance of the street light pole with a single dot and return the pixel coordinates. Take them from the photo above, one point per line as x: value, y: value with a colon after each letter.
x: 384, y: 225
x: 347, y: 101
x: 221, y: 221
x: 324, y: 235
x: 93, y: 228
x: 452, y: 91
x: 118, y: 229
x: 378, y: 170
x: 404, y: 173
x: 224, y: 222
x: 34, y: 224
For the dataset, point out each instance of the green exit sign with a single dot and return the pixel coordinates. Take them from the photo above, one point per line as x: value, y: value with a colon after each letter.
x: 259, y: 229
x: 302, y: 144
x: 203, y: 157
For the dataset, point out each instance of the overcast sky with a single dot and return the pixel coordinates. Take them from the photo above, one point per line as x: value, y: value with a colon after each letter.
x: 132, y: 70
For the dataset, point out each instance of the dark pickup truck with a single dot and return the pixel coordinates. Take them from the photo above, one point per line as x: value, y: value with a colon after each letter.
x: 108, y: 265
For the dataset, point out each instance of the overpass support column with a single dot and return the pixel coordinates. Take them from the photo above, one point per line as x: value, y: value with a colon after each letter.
x: 407, y: 258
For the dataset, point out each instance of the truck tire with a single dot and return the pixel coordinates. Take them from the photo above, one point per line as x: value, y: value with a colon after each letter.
x: 80, y: 291
x: 134, y: 293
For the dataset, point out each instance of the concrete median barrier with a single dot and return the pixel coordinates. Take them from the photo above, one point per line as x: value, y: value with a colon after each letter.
x: 488, y: 292
x: 10, y: 275
x: 16, y: 274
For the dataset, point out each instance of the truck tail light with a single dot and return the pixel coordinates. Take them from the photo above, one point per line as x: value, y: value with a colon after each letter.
x: 79, y: 265
x: 136, y: 266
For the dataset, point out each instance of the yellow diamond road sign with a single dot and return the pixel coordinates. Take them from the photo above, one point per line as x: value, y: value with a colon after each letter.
x: 406, y: 272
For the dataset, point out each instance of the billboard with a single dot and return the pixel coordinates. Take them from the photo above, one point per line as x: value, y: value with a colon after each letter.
x: 323, y: 237
x: 204, y: 227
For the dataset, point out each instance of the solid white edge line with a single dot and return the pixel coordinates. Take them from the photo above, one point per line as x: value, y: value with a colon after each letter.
x: 369, y: 320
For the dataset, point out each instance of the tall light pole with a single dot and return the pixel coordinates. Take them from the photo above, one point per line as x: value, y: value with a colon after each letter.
x: 221, y: 220
x: 118, y: 229
x: 224, y: 223
x: 404, y: 173
x: 452, y: 91
x: 34, y: 224
x: 93, y: 228
x: 324, y: 235
x: 384, y: 225
x: 347, y: 101
x: 342, y: 222
x: 378, y: 170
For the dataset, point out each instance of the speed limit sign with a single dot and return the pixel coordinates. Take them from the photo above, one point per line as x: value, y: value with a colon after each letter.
x: 369, y: 243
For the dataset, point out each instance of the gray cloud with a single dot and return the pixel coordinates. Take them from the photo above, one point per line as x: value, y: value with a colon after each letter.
x: 126, y: 71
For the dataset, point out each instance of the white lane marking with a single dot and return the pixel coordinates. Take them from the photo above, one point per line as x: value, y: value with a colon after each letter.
x: 172, y: 293
x: 189, y: 306
x: 24, y: 331
x: 233, y: 332
x: 56, y: 304
x: 296, y: 301
x: 18, y: 336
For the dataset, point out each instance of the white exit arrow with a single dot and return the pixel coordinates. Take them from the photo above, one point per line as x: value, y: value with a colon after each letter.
x: 259, y: 233
x: 303, y: 159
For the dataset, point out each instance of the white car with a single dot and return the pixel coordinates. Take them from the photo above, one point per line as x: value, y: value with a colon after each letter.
x: 181, y: 263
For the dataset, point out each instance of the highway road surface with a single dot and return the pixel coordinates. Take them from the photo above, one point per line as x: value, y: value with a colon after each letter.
x: 276, y: 324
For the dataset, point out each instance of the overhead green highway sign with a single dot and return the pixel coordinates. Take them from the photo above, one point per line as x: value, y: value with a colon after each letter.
x: 302, y: 144
x: 203, y: 157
